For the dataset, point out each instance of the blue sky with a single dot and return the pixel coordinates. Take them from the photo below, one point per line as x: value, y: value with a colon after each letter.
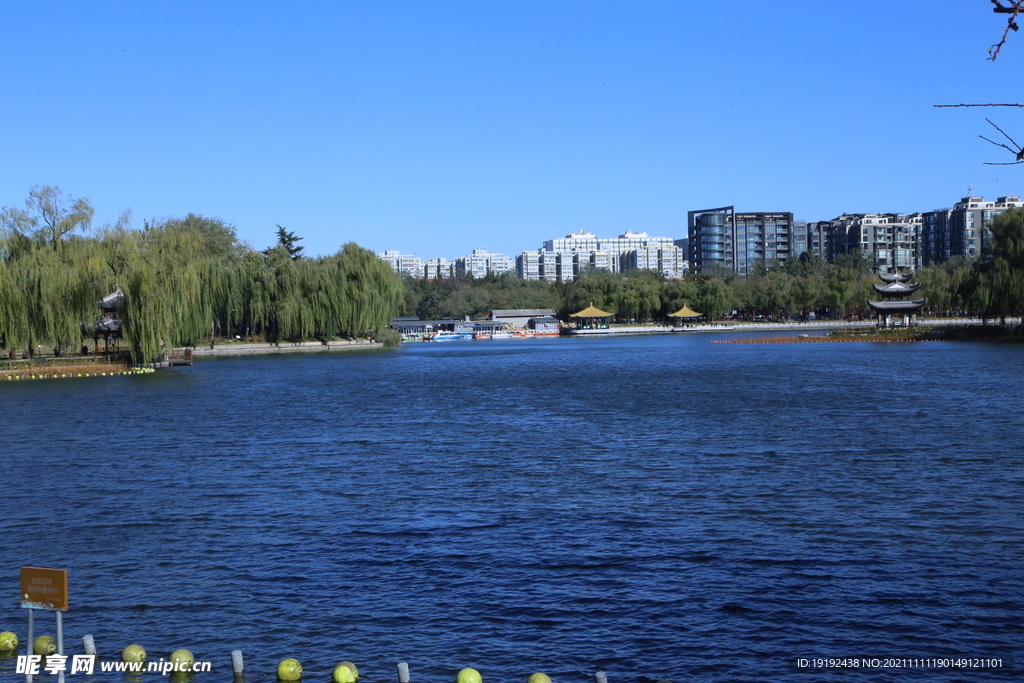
x: 439, y: 127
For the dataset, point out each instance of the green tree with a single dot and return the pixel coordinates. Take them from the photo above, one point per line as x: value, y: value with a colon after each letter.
x: 995, y: 287
x: 288, y: 241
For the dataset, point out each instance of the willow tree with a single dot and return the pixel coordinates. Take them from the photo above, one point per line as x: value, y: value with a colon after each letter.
x: 995, y: 287
x: 164, y: 286
x: 52, y: 270
x: 371, y: 293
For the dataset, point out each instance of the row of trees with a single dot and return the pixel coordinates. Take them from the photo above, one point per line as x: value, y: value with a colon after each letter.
x: 183, y: 280
x: 992, y: 286
x: 188, y: 279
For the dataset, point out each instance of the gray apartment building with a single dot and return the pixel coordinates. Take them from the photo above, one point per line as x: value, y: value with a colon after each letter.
x: 722, y: 237
x: 891, y: 240
x: 962, y: 230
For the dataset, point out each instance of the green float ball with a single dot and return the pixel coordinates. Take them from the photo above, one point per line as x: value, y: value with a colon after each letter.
x: 469, y: 676
x: 183, y: 658
x: 538, y: 678
x: 133, y: 653
x: 44, y: 645
x: 289, y: 670
x: 346, y: 672
x: 8, y: 641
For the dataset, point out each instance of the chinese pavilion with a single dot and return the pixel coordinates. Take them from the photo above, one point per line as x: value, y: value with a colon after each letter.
x: 897, y: 308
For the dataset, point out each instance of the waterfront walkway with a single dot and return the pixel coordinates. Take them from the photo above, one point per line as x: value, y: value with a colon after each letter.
x: 771, y: 327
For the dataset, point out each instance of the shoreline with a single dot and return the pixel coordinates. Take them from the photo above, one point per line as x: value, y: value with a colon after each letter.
x: 816, y: 325
x: 272, y: 348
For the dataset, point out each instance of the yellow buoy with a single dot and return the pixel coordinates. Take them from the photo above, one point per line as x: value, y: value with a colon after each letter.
x: 8, y: 641
x: 345, y: 672
x: 44, y: 645
x: 469, y: 676
x: 289, y: 670
x: 133, y: 653
x: 538, y: 678
x: 183, y: 660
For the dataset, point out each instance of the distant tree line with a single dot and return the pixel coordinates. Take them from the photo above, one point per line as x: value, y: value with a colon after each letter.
x: 184, y: 279
x: 991, y: 286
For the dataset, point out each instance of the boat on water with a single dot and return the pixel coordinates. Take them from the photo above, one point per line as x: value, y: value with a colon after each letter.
x: 450, y: 336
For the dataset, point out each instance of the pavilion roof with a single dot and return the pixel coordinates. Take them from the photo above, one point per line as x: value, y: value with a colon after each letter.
x: 896, y: 289
x: 591, y: 312
x: 897, y: 305
x: 111, y: 301
x: 685, y: 312
x: 895, y: 277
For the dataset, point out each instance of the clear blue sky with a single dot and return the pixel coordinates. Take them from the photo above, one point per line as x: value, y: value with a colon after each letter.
x: 439, y: 127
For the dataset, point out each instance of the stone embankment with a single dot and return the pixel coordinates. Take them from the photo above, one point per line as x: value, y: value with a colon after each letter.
x: 246, y: 349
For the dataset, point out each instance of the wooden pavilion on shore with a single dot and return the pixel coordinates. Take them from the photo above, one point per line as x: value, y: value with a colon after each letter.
x: 108, y: 327
x: 591, y: 318
x: 685, y: 315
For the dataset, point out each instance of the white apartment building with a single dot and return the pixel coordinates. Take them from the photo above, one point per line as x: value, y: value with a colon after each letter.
x: 438, y: 268
x: 528, y: 265
x: 403, y: 264
x: 481, y: 263
x: 565, y: 258
x: 628, y: 241
x: 670, y: 261
x: 574, y: 241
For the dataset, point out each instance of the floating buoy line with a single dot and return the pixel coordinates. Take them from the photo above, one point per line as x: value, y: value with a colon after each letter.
x: 74, y: 375
x: 182, y: 665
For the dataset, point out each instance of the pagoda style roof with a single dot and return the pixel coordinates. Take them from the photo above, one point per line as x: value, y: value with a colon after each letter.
x: 895, y: 277
x: 685, y: 312
x: 591, y: 312
x: 896, y: 289
x: 107, y: 324
x: 905, y: 306
x: 111, y: 301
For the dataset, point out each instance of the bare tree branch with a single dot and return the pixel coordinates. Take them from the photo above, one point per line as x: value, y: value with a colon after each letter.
x: 1020, y: 153
x: 1016, y: 150
x: 1014, y: 9
x: 979, y: 105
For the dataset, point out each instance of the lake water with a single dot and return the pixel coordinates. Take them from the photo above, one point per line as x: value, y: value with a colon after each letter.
x: 657, y: 508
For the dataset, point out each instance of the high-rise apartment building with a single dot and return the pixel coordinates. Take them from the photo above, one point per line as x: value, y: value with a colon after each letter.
x: 962, y: 230
x: 528, y: 265
x: 738, y: 241
x: 891, y: 240
x: 438, y: 268
x: 403, y: 264
x: 578, y: 252
x: 481, y: 263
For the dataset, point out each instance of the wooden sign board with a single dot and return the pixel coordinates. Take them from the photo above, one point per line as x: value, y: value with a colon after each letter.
x: 44, y: 588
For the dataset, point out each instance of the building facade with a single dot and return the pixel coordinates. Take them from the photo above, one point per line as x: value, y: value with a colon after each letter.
x: 891, y: 240
x: 403, y: 264
x: 962, y: 230
x: 482, y: 263
x: 739, y: 241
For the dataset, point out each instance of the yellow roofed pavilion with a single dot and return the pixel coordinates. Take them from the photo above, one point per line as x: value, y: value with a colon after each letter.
x: 685, y: 312
x: 590, y: 312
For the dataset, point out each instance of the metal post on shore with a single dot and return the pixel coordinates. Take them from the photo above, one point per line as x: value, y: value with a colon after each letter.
x: 31, y: 625
x: 60, y: 643
x: 237, y: 665
x: 403, y: 672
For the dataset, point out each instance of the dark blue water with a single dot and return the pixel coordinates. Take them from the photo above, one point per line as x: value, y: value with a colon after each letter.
x: 658, y: 508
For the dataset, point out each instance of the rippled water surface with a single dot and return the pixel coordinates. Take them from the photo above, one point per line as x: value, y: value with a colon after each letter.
x: 658, y: 508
